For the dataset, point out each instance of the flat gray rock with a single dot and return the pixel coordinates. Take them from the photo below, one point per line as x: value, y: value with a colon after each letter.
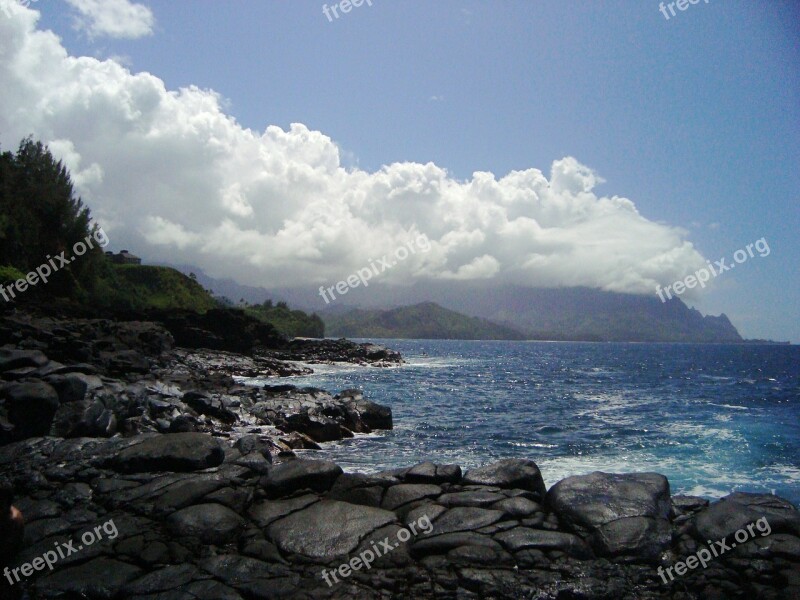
x: 171, y: 452
x: 327, y: 529
x: 442, y: 544
x: 477, y: 498
x: 517, y: 508
x: 508, y: 474
x: 210, y: 523
x: 523, y: 538
x: 98, y: 578
x: 264, y: 513
x: 465, y: 519
x: 298, y: 474
x: 398, y: 495
x: 428, y: 472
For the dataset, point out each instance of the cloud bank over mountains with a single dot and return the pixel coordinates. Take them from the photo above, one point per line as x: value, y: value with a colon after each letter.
x: 170, y: 174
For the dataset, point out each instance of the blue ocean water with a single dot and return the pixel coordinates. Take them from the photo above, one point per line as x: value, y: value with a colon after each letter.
x: 712, y: 418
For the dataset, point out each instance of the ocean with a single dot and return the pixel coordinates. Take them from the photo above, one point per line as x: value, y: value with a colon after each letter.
x: 712, y: 418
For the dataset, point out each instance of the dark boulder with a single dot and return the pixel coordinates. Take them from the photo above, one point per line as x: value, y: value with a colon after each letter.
x: 371, y: 415
x: 213, y: 407
x: 509, y: 473
x: 124, y: 362
x: 183, y: 424
x: 318, y: 428
x: 522, y: 538
x: 428, y: 472
x: 442, y: 544
x: 210, y: 523
x: 621, y: 514
x: 180, y: 452
x: 294, y: 475
x: 87, y: 418
x: 31, y: 407
x: 98, y: 578
x: 327, y: 529
x: 465, y: 519
x: 12, y: 358
x: 70, y: 388
x: 736, y: 511
x: 405, y: 493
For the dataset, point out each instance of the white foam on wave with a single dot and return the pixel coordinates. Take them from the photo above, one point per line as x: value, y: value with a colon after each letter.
x: 532, y: 445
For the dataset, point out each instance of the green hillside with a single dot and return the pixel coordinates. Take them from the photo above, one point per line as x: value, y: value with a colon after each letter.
x: 141, y: 287
x: 421, y: 321
x: 291, y: 323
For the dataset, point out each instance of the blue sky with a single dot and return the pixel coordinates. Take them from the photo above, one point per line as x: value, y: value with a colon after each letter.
x: 695, y: 119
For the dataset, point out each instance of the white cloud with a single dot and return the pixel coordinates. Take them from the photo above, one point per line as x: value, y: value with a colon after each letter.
x: 171, y: 176
x: 113, y: 18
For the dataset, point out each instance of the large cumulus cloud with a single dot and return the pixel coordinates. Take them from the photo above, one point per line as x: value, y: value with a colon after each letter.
x: 169, y: 173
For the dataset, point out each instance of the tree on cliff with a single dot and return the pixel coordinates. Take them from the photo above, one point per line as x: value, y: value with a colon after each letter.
x: 41, y: 217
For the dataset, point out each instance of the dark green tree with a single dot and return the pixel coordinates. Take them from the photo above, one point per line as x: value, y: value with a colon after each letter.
x: 41, y: 217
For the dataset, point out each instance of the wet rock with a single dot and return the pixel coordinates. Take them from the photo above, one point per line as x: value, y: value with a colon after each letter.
x: 399, y: 495
x: 70, y: 388
x: 210, y: 523
x: 318, y: 428
x: 517, y: 507
x: 254, y: 461
x: 162, y: 580
x: 359, y: 488
x: 442, y: 544
x: 183, y: 424
x: 98, y: 578
x: 736, y: 511
x: 327, y: 529
x: 428, y: 472
x: 253, y: 578
x: 171, y: 452
x: 300, y: 441
x: 464, y: 519
x: 84, y: 418
x: 372, y: 415
x: 125, y: 361
x: 622, y: 514
x: 212, y: 407
x: 298, y: 474
x: 31, y: 407
x: 253, y: 443
x: 264, y: 513
x: 522, y: 538
x: 683, y: 505
x: 509, y: 473
x: 13, y: 358
x: 477, y: 498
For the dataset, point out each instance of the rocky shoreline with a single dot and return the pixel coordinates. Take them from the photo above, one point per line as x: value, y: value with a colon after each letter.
x: 191, y: 485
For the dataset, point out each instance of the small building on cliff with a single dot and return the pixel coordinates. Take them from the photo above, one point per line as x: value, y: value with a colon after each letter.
x: 123, y: 258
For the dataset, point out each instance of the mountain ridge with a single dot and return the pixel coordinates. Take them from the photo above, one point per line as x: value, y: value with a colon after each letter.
x: 567, y: 314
